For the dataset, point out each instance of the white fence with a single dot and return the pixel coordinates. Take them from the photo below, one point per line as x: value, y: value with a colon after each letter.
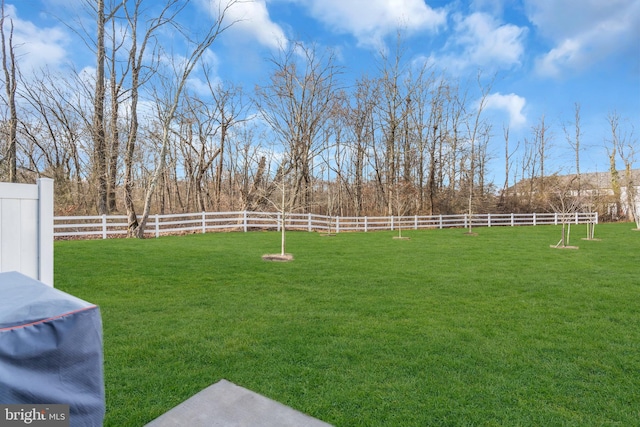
x: 26, y: 229
x: 106, y: 226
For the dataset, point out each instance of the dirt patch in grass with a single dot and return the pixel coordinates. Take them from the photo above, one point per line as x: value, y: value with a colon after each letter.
x: 278, y: 257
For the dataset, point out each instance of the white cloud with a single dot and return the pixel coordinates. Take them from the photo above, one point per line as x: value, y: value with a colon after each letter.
x: 251, y: 18
x: 485, y: 41
x: 568, y: 53
x: 512, y: 104
x: 35, y: 47
x: 369, y: 21
x: 480, y: 41
x: 584, y: 31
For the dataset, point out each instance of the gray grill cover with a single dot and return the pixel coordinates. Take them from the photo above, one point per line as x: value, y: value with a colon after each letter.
x: 50, y: 349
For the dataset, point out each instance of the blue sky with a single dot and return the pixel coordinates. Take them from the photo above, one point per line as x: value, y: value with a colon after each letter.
x: 546, y: 55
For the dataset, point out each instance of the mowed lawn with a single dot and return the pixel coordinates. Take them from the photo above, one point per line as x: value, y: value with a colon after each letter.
x: 365, y: 330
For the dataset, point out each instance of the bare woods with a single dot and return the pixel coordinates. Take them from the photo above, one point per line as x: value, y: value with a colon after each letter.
x: 136, y: 135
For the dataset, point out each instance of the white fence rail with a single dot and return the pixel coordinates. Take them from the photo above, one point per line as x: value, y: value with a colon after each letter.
x: 106, y: 226
x: 26, y: 229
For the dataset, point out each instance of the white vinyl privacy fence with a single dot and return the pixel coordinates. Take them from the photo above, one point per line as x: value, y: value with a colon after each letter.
x: 106, y: 226
x: 26, y: 229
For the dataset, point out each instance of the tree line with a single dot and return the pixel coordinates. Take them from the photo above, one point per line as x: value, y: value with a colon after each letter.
x: 135, y: 136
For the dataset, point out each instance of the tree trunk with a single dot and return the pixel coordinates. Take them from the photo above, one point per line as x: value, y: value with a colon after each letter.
x: 99, y: 141
x: 9, y: 68
x: 219, y: 170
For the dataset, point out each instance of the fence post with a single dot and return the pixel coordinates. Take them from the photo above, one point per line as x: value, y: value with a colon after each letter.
x: 204, y: 224
x: 416, y: 223
x: 45, y: 231
x: 596, y: 218
x: 488, y: 220
x: 244, y: 221
x: 577, y: 220
x: 391, y: 222
x: 440, y: 222
x: 534, y: 219
x: 512, y: 219
x: 337, y: 224
x: 157, y: 225
x: 309, y: 223
x: 104, y: 226
x: 466, y: 225
x: 555, y: 218
x: 366, y: 228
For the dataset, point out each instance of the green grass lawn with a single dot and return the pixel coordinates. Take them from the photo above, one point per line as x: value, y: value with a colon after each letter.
x: 364, y: 330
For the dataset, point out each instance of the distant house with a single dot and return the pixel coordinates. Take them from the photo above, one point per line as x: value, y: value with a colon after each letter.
x: 597, y: 189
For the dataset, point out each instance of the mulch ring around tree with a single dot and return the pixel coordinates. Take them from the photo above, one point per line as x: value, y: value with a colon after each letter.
x: 277, y: 257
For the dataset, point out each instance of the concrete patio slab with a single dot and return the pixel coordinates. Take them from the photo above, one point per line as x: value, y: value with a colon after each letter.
x: 225, y: 404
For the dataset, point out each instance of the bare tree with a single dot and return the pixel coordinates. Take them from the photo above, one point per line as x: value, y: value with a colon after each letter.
x: 167, y: 107
x: 280, y: 195
x: 626, y: 147
x: 423, y: 150
x: 614, y: 122
x: 529, y: 172
x: 574, y: 142
x: 141, y: 71
x: 230, y: 109
x: 199, y: 150
x: 205, y: 130
x: 10, y: 81
x: 392, y: 110
x: 565, y: 204
x: 454, y: 138
x: 477, y: 132
x: 98, y: 128
x: 435, y: 134
x: 252, y: 169
x: 55, y: 124
x: 361, y: 130
x: 541, y: 139
x: 116, y: 81
x: 508, y: 163
x: 335, y: 154
x: 297, y: 104
x: 627, y: 154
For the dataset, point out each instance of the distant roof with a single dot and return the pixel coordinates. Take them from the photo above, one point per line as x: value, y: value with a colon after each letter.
x: 603, y: 179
